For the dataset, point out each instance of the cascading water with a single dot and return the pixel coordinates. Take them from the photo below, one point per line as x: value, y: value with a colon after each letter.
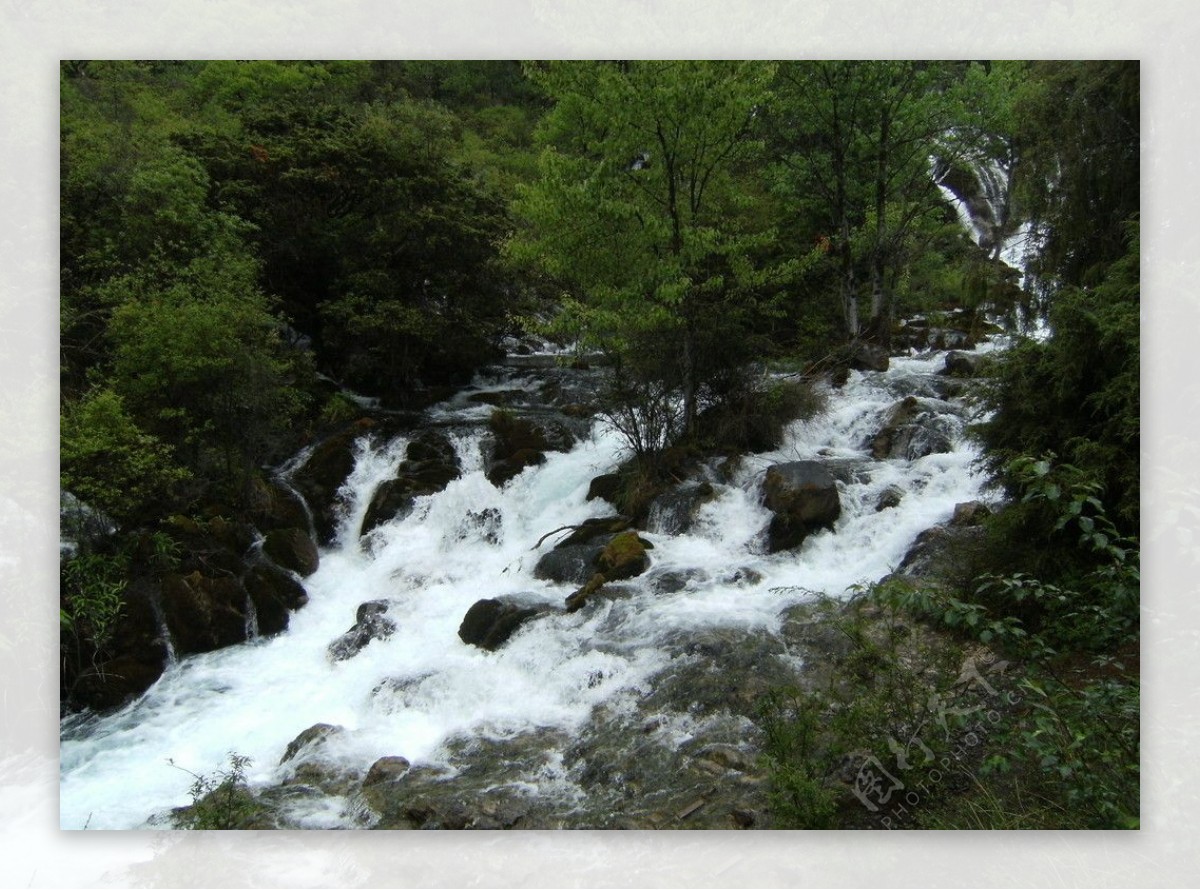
x: 983, y: 204
x: 422, y: 694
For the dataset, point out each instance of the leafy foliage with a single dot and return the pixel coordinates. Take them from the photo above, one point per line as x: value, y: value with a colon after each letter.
x: 1077, y: 394
x: 638, y: 210
x: 92, y: 601
x: 220, y: 800
x: 109, y: 462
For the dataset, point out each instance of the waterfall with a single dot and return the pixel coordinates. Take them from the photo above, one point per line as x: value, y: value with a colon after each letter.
x: 980, y: 192
x: 422, y: 694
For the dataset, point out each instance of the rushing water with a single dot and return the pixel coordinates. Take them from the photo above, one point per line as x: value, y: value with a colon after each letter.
x: 473, y: 541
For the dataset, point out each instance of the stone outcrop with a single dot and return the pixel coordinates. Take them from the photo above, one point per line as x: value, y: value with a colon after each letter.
x: 324, y: 473
x: 292, y: 549
x: 803, y: 496
x: 275, y: 594
x: 430, y: 464
x: 520, y: 442
x: 490, y: 623
x: 914, y: 428
x: 370, y: 623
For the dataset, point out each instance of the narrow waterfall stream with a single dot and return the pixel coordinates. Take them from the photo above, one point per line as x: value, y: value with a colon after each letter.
x: 422, y: 694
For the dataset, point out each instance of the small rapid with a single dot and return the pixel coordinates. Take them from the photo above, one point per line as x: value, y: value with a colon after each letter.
x: 419, y: 692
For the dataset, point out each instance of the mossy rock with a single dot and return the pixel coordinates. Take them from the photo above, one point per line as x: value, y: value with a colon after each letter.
x: 624, y: 557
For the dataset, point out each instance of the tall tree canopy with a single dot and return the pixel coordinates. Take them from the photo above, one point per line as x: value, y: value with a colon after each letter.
x: 640, y: 210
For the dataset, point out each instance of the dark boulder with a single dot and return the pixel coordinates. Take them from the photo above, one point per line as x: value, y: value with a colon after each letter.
x: 914, y: 429
x: 970, y: 513
x: 961, y: 364
x: 116, y: 681
x: 489, y: 623
x: 520, y: 442
x: 324, y: 473
x: 674, y: 512
x: 606, y: 486
x: 272, y: 505
x: 434, y: 447
x: 503, y: 471
x: 591, y: 530
x: 204, y: 613
x: 132, y: 659
x: 386, y: 769
x: 568, y: 564
x: 370, y: 623
x: 623, y: 557
x: 803, y: 496
x: 944, y: 555
x: 430, y: 464
x: 868, y: 357
x: 889, y: 498
x: 275, y: 594
x: 293, y: 549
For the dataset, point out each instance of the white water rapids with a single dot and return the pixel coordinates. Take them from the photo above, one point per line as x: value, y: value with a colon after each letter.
x: 434, y: 564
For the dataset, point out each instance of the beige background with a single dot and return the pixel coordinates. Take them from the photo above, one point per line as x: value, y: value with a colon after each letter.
x: 34, y: 34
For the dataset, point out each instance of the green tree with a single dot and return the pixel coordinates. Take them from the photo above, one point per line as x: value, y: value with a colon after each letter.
x: 852, y: 144
x: 200, y: 362
x: 639, y: 212
x: 1078, y: 134
x: 1076, y: 395
x: 110, y: 463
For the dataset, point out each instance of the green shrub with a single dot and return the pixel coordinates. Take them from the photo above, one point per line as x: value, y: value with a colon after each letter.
x: 221, y: 800
x: 110, y: 463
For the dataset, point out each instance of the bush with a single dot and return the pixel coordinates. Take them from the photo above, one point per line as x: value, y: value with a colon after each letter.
x: 110, y: 463
x: 221, y: 800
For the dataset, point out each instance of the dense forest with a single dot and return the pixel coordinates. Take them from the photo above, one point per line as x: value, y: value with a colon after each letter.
x: 263, y: 257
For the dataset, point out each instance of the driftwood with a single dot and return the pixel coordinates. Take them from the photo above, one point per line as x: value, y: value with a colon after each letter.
x: 561, y: 528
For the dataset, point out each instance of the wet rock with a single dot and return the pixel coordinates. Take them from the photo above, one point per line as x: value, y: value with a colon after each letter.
x: 579, y: 598
x: 292, y: 549
x: 430, y: 464
x: 674, y: 511
x: 576, y: 558
x: 970, y: 513
x: 606, y: 486
x: 868, y: 357
x: 432, y: 447
x: 204, y: 613
x: 116, y: 681
x: 890, y: 497
x: 132, y: 660
x: 370, y: 623
x: 489, y: 623
x: 275, y: 594
x: 569, y: 564
x: 722, y: 670
x: 623, y: 557
x: 271, y: 505
x: 521, y: 442
x: 596, y: 530
x: 942, y: 554
x: 324, y: 473
x: 803, y: 496
x: 848, y: 470
x: 914, y: 428
x: 309, y: 742
x: 961, y: 364
x: 505, y: 470
x: 674, y: 580
x: 386, y: 769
